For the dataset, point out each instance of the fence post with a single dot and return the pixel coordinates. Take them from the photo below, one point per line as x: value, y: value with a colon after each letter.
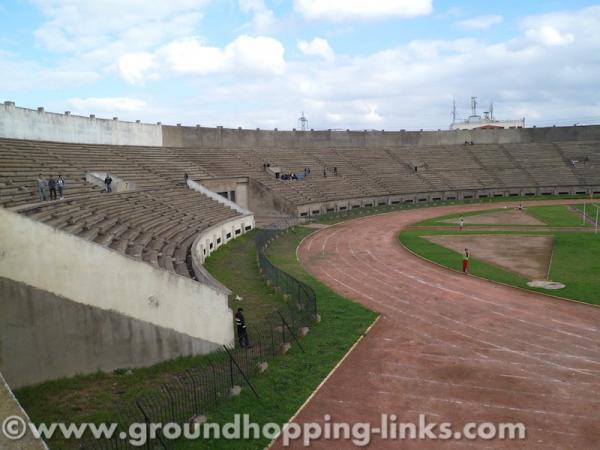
x: 233, y: 361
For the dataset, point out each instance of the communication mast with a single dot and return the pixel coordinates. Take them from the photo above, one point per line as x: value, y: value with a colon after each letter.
x: 454, y: 111
x: 303, y: 122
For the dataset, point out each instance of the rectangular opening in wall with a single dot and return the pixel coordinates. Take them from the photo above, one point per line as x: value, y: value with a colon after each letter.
x: 228, y: 235
x: 204, y: 251
x: 222, y: 194
x: 466, y: 197
x: 232, y: 196
x: 248, y: 227
x: 211, y: 246
x: 303, y: 214
x: 343, y: 208
x: 316, y: 212
x: 580, y: 192
x: 483, y: 196
x: 529, y: 193
x: 498, y: 195
x: 596, y: 192
x: 355, y: 206
x: 395, y: 202
x: 368, y: 205
x: 218, y: 241
x: 238, y: 231
x: 436, y: 199
x: 513, y: 194
x: 422, y: 199
x: 382, y: 203
x: 451, y: 198
x: 330, y: 209
x: 546, y: 193
x: 563, y: 193
x: 409, y: 200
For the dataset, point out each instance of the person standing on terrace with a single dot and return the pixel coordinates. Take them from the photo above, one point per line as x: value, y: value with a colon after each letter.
x: 41, y: 185
x: 60, y: 184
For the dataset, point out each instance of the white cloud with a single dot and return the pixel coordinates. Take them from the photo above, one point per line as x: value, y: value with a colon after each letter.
x: 338, y: 10
x: 263, y: 19
x: 108, y: 105
x: 97, y: 33
x: 548, y: 35
x: 133, y: 66
x: 317, y: 47
x: 480, y: 22
x: 245, y: 55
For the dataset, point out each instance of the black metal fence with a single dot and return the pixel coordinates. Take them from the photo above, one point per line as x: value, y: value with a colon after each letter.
x: 186, y: 397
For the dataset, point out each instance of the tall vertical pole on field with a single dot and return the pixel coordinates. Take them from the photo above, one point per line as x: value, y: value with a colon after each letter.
x: 597, y: 209
x: 584, y: 213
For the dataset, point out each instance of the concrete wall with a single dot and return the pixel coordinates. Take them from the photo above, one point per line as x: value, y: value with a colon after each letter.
x: 44, y: 336
x: 220, y: 234
x: 219, y: 198
x: 22, y: 123
x: 60, y: 263
x: 238, y: 184
x: 180, y: 136
x: 262, y: 201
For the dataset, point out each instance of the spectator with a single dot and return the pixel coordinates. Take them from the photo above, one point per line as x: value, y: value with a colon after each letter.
x: 240, y: 323
x: 52, y: 187
x: 41, y: 185
x: 325, y: 173
x: 107, y: 182
x: 60, y: 184
x: 465, y: 261
x: 335, y: 171
x: 185, y: 179
x: 461, y: 223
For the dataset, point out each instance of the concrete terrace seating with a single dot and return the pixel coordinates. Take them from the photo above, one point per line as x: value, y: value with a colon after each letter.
x: 155, y: 223
x: 147, y: 225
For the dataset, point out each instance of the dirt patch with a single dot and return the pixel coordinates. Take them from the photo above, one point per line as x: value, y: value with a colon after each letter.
x: 505, y: 217
x: 528, y: 256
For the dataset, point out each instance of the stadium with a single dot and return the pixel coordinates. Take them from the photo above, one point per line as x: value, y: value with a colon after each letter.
x: 176, y: 286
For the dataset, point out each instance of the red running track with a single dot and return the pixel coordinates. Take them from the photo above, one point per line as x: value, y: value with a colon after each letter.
x: 456, y: 348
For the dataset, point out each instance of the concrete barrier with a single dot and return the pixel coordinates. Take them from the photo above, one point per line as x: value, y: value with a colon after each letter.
x: 43, y: 257
x: 23, y: 123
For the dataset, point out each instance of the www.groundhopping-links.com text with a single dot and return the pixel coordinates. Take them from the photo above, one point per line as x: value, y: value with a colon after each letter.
x: 359, y: 433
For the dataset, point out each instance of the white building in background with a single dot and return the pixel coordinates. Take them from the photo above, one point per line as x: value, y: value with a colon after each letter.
x: 488, y: 121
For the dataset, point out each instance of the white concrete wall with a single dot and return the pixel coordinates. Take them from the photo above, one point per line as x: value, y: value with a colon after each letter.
x: 49, y: 259
x: 218, y: 198
x: 217, y: 236
x: 23, y: 123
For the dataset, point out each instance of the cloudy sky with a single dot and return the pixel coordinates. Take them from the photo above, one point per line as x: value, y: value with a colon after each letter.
x: 379, y: 64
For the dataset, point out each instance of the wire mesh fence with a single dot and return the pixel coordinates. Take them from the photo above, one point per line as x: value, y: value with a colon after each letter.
x: 187, y: 396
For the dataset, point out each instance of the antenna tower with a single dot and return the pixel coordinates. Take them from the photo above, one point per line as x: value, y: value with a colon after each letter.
x: 303, y: 122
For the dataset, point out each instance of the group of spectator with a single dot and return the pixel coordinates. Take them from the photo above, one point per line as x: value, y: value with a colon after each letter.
x: 288, y: 176
x: 469, y: 143
x: 52, y: 185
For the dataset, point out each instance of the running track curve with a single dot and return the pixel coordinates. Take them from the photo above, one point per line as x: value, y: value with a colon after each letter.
x: 456, y: 348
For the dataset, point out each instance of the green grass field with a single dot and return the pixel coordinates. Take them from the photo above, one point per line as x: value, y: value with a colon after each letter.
x: 556, y: 216
x: 287, y: 383
x: 574, y: 260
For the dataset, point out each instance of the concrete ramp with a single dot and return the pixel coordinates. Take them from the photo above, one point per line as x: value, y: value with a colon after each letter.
x: 9, y: 406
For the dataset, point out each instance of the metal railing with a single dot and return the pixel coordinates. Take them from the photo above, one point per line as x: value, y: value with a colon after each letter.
x: 191, y: 393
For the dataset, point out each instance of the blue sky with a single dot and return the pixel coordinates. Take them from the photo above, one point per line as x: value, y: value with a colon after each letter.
x: 384, y: 64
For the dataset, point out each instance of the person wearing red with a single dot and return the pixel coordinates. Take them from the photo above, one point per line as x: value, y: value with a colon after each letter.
x: 465, y: 261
